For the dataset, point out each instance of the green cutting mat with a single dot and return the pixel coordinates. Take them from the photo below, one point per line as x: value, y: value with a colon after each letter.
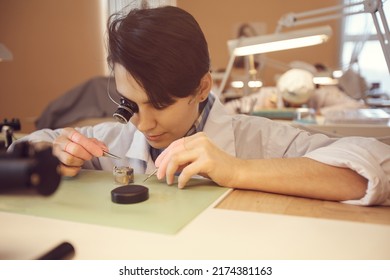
x: 87, y: 199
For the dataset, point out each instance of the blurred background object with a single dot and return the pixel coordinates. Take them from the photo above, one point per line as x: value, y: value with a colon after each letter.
x: 5, y: 54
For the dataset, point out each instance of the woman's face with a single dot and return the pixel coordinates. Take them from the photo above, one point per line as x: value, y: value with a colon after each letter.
x: 160, y: 126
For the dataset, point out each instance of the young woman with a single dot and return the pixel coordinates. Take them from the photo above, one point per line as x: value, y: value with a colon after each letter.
x: 161, y: 65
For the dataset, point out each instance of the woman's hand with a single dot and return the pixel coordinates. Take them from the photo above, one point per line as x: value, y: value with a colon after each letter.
x: 73, y: 149
x: 193, y: 155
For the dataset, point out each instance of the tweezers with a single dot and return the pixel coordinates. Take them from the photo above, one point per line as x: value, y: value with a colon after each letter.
x: 150, y: 175
x: 107, y: 154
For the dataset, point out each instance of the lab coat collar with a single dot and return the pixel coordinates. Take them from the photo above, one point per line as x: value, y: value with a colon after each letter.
x: 139, y: 150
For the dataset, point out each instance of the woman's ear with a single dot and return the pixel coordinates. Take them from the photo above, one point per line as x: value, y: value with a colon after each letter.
x: 205, y: 86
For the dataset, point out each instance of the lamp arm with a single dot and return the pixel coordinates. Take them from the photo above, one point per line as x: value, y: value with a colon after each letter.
x: 323, y: 14
x: 226, y: 75
x: 228, y: 70
x: 375, y: 8
x: 384, y: 38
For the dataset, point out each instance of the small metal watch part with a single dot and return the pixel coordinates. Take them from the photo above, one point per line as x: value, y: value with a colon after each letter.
x: 123, y: 175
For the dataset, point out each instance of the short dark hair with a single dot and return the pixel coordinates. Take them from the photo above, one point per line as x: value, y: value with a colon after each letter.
x: 163, y: 48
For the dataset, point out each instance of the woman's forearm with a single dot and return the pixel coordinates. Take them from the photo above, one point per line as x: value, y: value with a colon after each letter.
x: 300, y: 177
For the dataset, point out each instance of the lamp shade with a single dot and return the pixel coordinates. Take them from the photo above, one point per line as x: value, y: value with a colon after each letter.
x: 279, y: 41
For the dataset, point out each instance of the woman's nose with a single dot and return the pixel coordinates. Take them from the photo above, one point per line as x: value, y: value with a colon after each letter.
x: 144, y: 121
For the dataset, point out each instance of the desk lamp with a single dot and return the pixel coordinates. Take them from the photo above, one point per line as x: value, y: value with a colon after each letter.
x: 373, y: 7
x: 273, y: 42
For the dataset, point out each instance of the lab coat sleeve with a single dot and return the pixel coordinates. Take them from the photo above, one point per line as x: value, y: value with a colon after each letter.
x: 368, y: 157
x: 104, y: 131
x: 43, y: 135
x: 117, y: 137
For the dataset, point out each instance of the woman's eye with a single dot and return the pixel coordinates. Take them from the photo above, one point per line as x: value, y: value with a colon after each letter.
x: 161, y: 107
x: 134, y: 107
x: 130, y: 104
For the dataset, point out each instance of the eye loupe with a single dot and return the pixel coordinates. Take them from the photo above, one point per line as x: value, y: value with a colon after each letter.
x: 125, y: 111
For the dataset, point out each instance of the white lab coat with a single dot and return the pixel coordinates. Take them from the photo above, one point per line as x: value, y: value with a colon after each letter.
x: 252, y: 137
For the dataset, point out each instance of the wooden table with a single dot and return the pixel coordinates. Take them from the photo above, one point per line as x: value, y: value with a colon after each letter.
x: 256, y: 201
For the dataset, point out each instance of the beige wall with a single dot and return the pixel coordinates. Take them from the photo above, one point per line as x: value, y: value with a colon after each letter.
x: 59, y: 44
x: 56, y: 45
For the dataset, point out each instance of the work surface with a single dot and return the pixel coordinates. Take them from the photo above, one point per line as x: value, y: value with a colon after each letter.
x: 226, y: 225
x: 87, y: 199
